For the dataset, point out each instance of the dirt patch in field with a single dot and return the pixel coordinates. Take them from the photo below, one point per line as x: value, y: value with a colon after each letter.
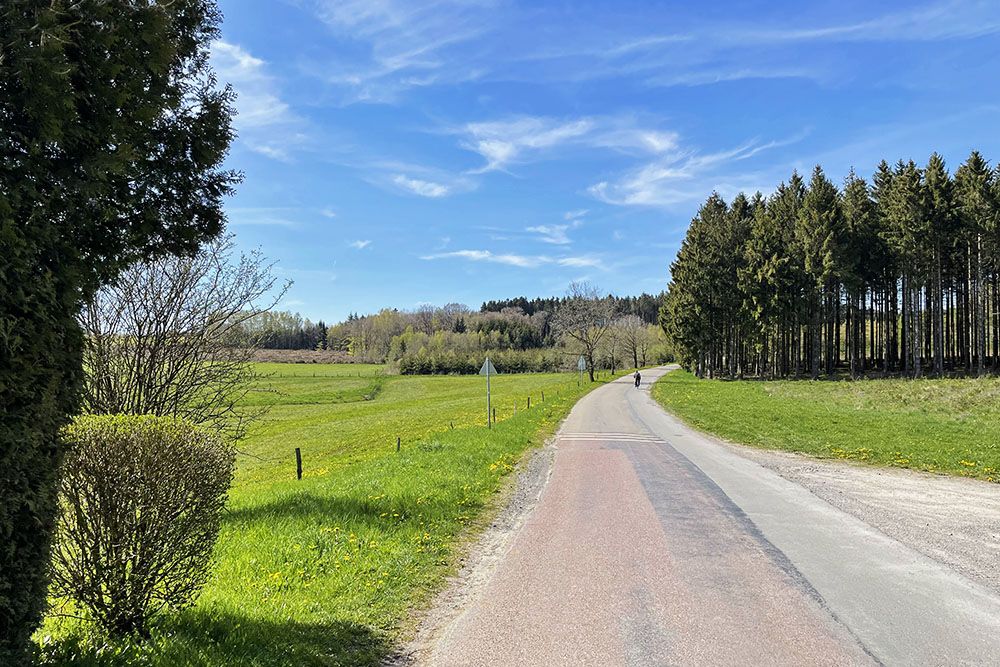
x: 307, y: 357
x: 954, y: 520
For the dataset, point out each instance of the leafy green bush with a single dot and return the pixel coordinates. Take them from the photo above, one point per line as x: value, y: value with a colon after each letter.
x: 141, y: 500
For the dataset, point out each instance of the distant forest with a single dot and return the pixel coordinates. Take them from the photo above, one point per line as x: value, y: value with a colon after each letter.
x: 898, y: 276
x: 645, y: 306
x: 283, y: 330
x: 453, y: 338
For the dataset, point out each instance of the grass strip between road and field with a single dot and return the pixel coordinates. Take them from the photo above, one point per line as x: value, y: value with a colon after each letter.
x: 936, y: 425
x: 328, y: 570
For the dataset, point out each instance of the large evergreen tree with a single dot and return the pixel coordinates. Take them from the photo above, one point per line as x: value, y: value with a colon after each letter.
x: 112, y: 133
x: 976, y: 206
x: 860, y: 261
x: 939, y: 209
x: 819, y: 231
x: 896, y: 277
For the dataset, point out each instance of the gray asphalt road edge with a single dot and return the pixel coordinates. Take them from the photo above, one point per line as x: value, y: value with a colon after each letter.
x: 905, y: 607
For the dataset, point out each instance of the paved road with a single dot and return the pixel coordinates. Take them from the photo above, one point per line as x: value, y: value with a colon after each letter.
x: 653, y: 545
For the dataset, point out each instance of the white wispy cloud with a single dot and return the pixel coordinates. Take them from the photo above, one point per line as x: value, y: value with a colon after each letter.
x: 406, y: 44
x: 386, y: 47
x: 524, y: 261
x: 953, y: 19
x: 555, y: 234
x: 575, y: 215
x: 734, y: 72
x: 580, y: 262
x: 521, y: 261
x: 522, y: 139
x: 421, y: 187
x: 266, y: 123
x: 506, y: 141
x: 740, y: 49
x: 360, y: 245
x: 683, y: 177
x: 263, y: 216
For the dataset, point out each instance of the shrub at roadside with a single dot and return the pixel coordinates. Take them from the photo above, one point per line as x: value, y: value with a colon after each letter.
x: 141, y: 500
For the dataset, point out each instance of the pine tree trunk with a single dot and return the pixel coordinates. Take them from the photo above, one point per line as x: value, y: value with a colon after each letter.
x: 815, y: 335
x: 938, y: 320
x: 915, y: 338
x: 980, y: 307
x: 886, y: 315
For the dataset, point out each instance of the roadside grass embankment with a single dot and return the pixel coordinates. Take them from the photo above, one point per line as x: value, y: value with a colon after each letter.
x: 328, y: 570
x: 936, y: 425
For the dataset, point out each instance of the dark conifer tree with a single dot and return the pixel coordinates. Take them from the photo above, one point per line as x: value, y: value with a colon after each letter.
x: 898, y: 277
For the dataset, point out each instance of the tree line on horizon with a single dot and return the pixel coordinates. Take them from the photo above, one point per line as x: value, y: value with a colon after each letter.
x: 897, y: 276
x: 521, y: 324
x: 645, y: 306
x: 454, y: 338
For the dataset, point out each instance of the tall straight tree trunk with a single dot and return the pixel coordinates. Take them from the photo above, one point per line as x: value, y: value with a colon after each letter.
x: 951, y: 339
x: 796, y: 344
x: 887, y: 315
x: 865, y: 314
x: 967, y: 325
x: 916, y: 340
x: 815, y: 334
x: 836, y: 327
x: 851, y: 334
x: 992, y: 320
x: 905, y: 329
x: 872, y: 340
x: 938, y: 319
x: 980, y: 307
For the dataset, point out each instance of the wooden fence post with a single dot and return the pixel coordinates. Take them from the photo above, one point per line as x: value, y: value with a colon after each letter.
x: 397, y: 443
x: 298, y: 463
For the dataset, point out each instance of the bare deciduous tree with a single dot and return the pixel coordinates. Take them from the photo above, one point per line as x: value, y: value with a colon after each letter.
x: 583, y: 319
x: 635, y: 337
x: 611, y: 346
x: 168, y: 338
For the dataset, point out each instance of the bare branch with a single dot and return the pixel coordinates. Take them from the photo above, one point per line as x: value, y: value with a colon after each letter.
x: 170, y: 337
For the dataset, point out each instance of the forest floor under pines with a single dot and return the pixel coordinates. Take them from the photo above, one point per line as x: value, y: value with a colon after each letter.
x: 329, y: 570
x: 947, y: 426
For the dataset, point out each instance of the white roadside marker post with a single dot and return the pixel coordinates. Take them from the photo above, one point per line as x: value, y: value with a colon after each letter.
x: 488, y: 370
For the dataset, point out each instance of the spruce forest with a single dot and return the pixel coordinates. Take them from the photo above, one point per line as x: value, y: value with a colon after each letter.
x: 900, y: 276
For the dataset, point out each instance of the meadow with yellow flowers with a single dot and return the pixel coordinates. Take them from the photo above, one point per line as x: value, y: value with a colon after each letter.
x: 329, y: 569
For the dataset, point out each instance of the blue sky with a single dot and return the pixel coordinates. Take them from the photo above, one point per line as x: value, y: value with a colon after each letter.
x: 406, y: 152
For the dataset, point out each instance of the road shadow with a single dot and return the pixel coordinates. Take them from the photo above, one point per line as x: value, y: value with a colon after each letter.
x: 226, y: 639
x: 206, y: 638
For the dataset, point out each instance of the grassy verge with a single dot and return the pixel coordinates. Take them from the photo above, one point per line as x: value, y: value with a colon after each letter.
x: 326, y: 570
x: 944, y: 426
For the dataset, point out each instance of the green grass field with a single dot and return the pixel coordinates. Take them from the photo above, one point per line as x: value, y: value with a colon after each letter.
x: 327, y: 570
x: 943, y: 426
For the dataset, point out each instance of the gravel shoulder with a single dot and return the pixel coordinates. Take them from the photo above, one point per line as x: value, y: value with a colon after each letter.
x: 953, y: 520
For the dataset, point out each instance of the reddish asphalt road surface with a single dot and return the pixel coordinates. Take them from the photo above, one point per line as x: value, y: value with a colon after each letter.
x: 652, y: 545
